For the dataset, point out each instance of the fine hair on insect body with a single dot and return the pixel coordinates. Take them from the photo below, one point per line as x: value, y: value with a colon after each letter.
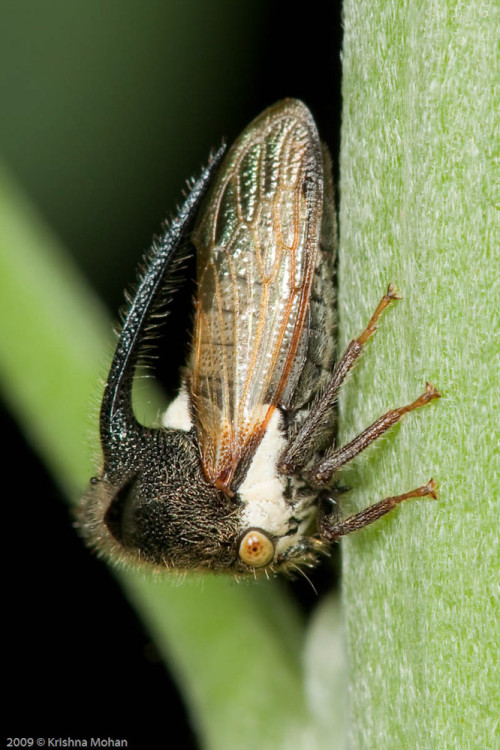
x: 240, y: 476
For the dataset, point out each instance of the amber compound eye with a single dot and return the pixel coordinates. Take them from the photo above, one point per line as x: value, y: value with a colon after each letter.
x: 256, y: 549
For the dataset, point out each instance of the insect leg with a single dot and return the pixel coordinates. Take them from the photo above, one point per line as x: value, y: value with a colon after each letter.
x: 329, y: 531
x: 324, y: 469
x: 302, y: 446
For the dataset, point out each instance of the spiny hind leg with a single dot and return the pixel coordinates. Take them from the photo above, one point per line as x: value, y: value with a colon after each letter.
x: 323, y: 471
x: 331, y: 529
x: 301, y: 448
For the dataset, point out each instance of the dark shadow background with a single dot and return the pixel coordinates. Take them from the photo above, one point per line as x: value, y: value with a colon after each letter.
x: 107, y: 108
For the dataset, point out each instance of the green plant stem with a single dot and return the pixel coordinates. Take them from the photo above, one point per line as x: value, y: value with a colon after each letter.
x: 421, y: 587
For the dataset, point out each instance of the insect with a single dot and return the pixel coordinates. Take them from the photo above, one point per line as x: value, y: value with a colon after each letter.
x: 240, y: 476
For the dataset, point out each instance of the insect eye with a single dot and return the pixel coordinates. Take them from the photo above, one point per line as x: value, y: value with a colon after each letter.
x: 256, y: 549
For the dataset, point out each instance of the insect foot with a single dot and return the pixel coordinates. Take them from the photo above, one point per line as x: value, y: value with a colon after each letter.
x: 391, y: 295
x: 322, y: 473
x: 330, y: 533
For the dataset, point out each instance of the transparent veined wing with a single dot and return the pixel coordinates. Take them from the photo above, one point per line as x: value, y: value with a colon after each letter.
x: 257, y: 240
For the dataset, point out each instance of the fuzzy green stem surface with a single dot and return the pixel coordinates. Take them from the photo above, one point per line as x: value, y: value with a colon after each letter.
x: 421, y: 589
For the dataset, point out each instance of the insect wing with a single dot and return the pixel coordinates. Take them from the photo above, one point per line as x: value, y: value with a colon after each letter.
x: 257, y: 240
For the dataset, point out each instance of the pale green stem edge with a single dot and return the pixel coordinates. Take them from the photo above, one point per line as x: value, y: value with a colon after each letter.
x: 421, y: 587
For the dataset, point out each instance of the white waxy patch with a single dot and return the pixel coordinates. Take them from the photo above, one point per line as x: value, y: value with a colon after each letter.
x: 178, y: 414
x: 262, y: 491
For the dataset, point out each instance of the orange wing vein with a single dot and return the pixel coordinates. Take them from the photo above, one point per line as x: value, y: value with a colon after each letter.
x: 257, y: 241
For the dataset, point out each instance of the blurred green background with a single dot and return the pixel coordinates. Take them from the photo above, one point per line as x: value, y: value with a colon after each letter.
x: 106, y: 109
